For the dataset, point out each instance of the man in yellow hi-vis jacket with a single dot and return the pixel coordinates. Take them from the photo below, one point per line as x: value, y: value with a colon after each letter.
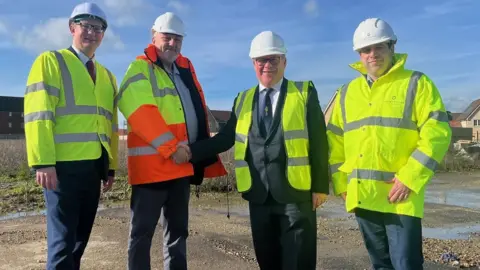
x: 71, y: 134
x: 387, y: 134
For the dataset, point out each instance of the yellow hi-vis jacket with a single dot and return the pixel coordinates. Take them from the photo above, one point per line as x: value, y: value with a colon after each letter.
x: 398, y: 127
x: 295, y: 133
x: 68, y: 117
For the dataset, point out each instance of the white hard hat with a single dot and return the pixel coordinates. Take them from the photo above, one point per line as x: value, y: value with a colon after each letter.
x: 267, y: 43
x: 169, y: 23
x: 372, y: 31
x: 87, y: 9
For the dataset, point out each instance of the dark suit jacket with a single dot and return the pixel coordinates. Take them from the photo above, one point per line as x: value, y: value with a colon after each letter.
x: 318, y: 151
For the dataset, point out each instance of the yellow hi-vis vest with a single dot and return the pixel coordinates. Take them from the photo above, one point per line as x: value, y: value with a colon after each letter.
x: 295, y: 134
x: 398, y: 127
x: 67, y: 117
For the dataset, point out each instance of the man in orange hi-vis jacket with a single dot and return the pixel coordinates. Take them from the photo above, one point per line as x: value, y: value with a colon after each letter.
x: 164, y: 105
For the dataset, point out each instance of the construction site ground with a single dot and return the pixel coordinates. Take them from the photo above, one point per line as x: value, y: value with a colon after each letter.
x: 451, y: 226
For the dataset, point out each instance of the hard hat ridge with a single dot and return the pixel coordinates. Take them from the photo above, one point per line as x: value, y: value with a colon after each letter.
x: 267, y: 43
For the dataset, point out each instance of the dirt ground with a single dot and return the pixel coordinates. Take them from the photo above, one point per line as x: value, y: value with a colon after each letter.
x: 451, y: 224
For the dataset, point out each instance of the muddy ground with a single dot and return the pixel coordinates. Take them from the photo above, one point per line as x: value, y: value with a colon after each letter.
x: 451, y: 224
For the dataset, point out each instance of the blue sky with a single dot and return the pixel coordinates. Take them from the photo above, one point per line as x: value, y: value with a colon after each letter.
x: 441, y: 38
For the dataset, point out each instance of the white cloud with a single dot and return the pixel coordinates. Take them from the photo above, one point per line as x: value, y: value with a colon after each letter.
x: 311, y: 8
x: 54, y: 34
x: 125, y: 12
x: 444, y: 8
x: 3, y: 28
x: 180, y: 7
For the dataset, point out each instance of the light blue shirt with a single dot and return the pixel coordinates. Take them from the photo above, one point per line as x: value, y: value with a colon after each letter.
x: 188, y: 108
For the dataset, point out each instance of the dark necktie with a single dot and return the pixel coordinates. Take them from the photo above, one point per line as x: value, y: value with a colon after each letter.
x: 267, y: 112
x: 91, y: 69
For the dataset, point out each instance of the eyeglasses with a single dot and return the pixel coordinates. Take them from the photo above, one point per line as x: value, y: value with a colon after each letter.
x: 272, y: 60
x: 95, y: 28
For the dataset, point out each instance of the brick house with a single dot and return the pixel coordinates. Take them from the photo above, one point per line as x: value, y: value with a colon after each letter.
x: 11, y: 116
x: 470, y: 118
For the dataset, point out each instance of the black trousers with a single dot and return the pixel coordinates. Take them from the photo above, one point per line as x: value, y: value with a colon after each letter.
x: 71, y: 211
x: 393, y: 241
x: 167, y: 201
x: 284, y: 235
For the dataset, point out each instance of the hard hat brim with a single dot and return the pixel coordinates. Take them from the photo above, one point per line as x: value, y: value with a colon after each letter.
x: 267, y: 53
x: 169, y: 31
x: 89, y: 16
x: 373, y: 42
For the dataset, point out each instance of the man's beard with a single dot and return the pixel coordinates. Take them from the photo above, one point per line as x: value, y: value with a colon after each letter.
x: 169, y: 56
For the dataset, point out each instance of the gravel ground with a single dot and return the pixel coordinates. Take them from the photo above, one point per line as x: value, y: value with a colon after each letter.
x: 216, y: 242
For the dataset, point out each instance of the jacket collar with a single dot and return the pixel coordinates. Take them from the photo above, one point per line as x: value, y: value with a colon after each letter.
x: 399, y: 60
x: 150, y: 54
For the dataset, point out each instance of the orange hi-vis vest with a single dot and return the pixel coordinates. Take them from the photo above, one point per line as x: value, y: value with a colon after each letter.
x: 156, y: 122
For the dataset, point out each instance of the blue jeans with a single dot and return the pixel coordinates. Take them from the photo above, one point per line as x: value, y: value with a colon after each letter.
x: 393, y: 241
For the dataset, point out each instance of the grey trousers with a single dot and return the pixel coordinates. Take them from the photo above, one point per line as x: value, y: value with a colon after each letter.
x: 170, y: 199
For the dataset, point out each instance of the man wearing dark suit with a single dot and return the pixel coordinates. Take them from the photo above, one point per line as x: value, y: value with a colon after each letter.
x: 281, y: 158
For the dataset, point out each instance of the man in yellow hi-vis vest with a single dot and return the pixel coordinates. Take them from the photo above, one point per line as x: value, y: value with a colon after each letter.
x: 71, y: 134
x: 281, y: 158
x: 387, y: 134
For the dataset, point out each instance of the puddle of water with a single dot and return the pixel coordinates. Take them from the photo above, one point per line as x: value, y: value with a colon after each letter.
x: 457, y: 197
x: 459, y: 232
x: 22, y: 214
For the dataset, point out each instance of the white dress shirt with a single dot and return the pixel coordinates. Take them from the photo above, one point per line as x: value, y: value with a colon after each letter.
x: 273, y: 95
x: 83, y: 57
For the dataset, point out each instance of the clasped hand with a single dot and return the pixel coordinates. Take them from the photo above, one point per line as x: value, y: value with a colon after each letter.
x: 398, y: 193
x: 182, y: 155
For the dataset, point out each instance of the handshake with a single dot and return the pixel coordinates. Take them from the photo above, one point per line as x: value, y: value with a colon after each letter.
x: 182, y: 155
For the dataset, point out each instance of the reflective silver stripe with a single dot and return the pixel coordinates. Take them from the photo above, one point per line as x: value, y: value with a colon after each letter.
x: 83, y: 109
x: 336, y: 130
x: 334, y: 167
x: 439, y: 116
x: 240, y: 104
x: 162, y: 139
x: 381, y: 121
x: 67, y: 81
x: 343, y: 95
x: 425, y: 160
x: 240, y: 137
x: 51, y: 90
x: 104, y: 112
x: 105, y: 138
x: 372, y: 175
x: 295, y: 134
x: 298, y: 161
x: 76, y: 137
x: 240, y: 163
x: 404, y: 122
x: 43, y: 115
x: 142, y: 151
x: 411, y: 93
x: 164, y: 92
x: 299, y: 85
x: 126, y: 84
x: 80, y: 109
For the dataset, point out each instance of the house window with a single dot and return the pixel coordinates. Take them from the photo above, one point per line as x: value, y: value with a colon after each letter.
x: 10, y: 125
x: 476, y: 123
